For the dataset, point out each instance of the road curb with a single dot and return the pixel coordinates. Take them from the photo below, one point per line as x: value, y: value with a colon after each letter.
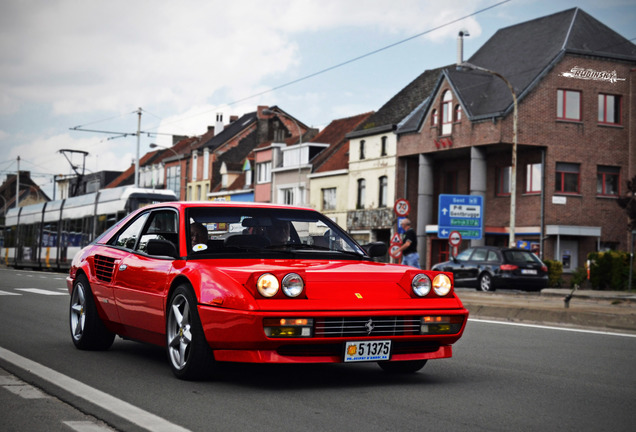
x: 570, y: 317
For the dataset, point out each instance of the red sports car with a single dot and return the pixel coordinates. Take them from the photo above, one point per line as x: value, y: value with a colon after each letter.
x: 216, y: 282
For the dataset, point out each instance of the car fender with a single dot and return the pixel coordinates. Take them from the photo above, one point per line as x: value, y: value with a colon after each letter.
x: 215, y: 288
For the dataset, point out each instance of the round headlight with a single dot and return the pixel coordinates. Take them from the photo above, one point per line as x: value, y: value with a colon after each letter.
x: 442, y: 285
x: 293, y: 285
x: 267, y: 285
x: 421, y: 285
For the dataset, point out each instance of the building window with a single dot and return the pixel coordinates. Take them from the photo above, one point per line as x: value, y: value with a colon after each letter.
x: 362, y: 155
x: 206, y: 164
x: 329, y: 199
x: 609, y: 109
x: 264, y: 172
x: 362, y: 185
x: 457, y: 115
x: 447, y: 113
x: 567, y: 178
x: 503, y: 180
x: 383, y: 186
x: 287, y: 196
x: 194, y: 166
x: 568, y: 105
x: 383, y: 149
x: 173, y: 180
x: 607, y: 181
x: 434, y: 118
x: 533, y: 178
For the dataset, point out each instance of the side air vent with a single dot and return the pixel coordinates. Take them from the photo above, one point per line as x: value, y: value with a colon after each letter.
x: 104, y: 268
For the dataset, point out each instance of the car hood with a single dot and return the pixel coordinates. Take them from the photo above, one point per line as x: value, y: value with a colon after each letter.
x: 336, y: 284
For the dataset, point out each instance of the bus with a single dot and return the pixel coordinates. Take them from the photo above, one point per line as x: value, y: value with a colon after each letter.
x: 47, y: 235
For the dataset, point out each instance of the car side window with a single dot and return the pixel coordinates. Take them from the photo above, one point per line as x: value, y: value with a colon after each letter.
x: 492, y: 257
x: 479, y: 255
x: 464, y: 255
x: 162, y: 226
x: 128, y: 237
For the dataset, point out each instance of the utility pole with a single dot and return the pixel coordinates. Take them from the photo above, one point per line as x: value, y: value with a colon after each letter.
x: 17, y: 186
x: 137, y: 158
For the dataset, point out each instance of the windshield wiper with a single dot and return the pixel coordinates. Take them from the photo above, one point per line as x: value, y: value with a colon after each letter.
x: 305, y: 246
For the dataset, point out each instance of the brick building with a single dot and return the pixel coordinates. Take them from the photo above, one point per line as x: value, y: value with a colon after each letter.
x: 574, y: 79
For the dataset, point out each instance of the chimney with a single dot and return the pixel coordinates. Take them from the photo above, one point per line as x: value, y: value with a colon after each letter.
x: 218, y: 127
x: 460, y: 46
x: 233, y: 118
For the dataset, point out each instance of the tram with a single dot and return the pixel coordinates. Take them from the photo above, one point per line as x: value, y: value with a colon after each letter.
x: 48, y: 235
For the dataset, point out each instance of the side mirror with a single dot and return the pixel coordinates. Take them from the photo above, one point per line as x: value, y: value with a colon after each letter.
x: 161, y: 248
x: 376, y: 249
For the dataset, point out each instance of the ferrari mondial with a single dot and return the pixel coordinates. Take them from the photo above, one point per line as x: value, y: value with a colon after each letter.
x: 228, y: 282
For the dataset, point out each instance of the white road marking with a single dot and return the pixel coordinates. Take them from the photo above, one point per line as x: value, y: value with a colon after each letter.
x: 125, y: 410
x: 87, y: 426
x: 40, y: 291
x: 8, y: 293
x: 20, y: 388
x: 539, y: 326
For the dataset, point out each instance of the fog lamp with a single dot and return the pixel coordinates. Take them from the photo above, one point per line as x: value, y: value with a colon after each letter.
x: 288, y: 327
x: 435, y: 325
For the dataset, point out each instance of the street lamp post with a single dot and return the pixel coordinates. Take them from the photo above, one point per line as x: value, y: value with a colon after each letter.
x: 513, y: 168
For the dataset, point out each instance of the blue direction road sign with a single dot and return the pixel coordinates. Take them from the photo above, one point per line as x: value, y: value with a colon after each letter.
x: 462, y: 213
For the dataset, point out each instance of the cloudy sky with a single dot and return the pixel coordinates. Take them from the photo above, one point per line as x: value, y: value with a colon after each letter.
x: 69, y: 63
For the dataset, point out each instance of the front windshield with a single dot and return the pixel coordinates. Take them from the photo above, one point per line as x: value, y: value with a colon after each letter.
x: 244, y: 230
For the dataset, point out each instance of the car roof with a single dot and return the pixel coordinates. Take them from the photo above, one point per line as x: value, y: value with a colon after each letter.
x: 225, y: 204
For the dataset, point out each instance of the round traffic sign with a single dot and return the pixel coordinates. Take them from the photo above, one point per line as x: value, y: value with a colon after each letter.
x: 394, y: 251
x: 454, y: 238
x: 402, y: 207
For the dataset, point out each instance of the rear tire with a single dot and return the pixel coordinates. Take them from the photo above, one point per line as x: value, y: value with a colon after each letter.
x: 189, y: 354
x: 87, y: 329
x: 485, y: 283
x: 402, y: 367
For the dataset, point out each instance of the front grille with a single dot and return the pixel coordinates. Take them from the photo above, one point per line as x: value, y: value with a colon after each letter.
x: 104, y: 268
x: 366, y: 326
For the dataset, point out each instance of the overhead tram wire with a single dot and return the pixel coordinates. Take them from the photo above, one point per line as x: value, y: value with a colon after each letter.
x: 287, y: 84
x: 339, y: 65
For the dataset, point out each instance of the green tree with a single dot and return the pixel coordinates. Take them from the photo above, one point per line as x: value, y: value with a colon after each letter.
x: 628, y: 203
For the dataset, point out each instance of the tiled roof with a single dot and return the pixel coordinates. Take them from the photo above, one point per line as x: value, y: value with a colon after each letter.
x: 228, y: 132
x: 334, y: 134
x: 401, y: 105
x: 526, y: 52
x: 128, y: 176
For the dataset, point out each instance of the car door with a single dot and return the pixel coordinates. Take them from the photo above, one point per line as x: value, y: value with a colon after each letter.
x: 141, y: 280
x: 473, y: 267
x: 461, y: 267
x: 106, y: 266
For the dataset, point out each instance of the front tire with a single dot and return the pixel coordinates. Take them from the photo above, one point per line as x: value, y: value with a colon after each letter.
x: 485, y: 283
x: 87, y: 329
x: 402, y: 367
x: 189, y: 354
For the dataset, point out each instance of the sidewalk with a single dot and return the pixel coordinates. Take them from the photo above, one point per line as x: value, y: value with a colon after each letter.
x: 598, y: 310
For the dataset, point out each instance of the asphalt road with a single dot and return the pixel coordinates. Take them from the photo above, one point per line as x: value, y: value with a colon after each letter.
x: 502, y: 377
